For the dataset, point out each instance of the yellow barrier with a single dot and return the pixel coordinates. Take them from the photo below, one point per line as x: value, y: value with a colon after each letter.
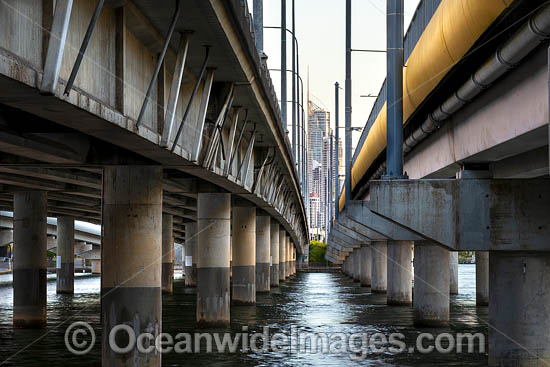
x: 451, y: 33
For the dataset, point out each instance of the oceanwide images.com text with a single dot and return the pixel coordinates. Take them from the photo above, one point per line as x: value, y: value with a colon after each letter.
x: 80, y: 339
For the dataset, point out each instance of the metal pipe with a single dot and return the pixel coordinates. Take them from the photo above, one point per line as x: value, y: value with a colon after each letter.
x: 348, y: 101
x: 330, y: 178
x: 195, y: 89
x: 160, y: 61
x: 293, y: 85
x: 337, y: 133
x: 258, y: 18
x: 394, y: 151
x: 283, y: 64
x: 83, y: 47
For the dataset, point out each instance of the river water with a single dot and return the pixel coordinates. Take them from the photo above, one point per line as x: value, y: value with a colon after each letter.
x: 314, y: 303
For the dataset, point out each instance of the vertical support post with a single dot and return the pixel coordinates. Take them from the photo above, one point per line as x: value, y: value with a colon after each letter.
x: 337, y: 153
x: 96, y: 266
x: 120, y: 57
x: 244, y: 255
x: 56, y: 46
x: 191, y: 254
x: 214, y: 229
x: 399, y: 272
x: 167, y: 254
x: 263, y: 253
x: 29, y: 252
x: 287, y: 256
x: 274, y: 253
x: 348, y: 102
x: 431, y: 284
x: 131, y: 253
x: 357, y: 265
x: 394, y: 152
x: 482, y: 278
x: 65, y: 255
x: 330, y: 182
x: 379, y: 266
x: 453, y: 286
x: 282, y: 254
x: 258, y: 17
x: 366, y: 264
x: 283, y: 65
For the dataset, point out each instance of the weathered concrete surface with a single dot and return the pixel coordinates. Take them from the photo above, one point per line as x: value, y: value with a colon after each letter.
x: 244, y: 255
x: 65, y: 255
x: 366, y: 265
x: 274, y: 250
x: 453, y: 286
x: 482, y: 278
x: 379, y: 279
x: 167, y: 254
x: 399, y: 286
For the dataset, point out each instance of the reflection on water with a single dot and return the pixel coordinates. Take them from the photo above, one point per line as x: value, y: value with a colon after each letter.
x: 326, y: 303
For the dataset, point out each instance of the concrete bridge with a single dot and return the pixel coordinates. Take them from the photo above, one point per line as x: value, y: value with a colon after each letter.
x: 475, y: 142
x: 161, y: 124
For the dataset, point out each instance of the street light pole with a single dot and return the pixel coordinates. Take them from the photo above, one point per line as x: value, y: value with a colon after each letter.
x: 293, y: 86
x: 283, y: 64
x: 337, y: 153
x: 258, y: 17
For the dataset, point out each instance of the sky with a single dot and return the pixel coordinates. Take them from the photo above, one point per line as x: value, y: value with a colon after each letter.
x: 320, y: 30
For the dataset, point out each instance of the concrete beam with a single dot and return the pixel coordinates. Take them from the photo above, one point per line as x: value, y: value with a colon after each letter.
x: 352, y: 234
x: 358, y: 211
x: 479, y: 215
x: 357, y: 227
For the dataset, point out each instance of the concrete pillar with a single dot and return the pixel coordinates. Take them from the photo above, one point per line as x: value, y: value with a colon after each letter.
x: 29, y: 267
x: 65, y: 255
x: 244, y: 255
x: 131, y: 254
x: 293, y: 260
x: 96, y: 266
x: 366, y: 265
x: 379, y: 266
x: 191, y: 254
x: 167, y: 254
x: 287, y: 257
x: 431, y: 284
x: 274, y: 253
x: 519, y: 313
x: 282, y: 255
x: 399, y: 281
x: 357, y: 265
x: 263, y: 253
x: 453, y: 286
x: 482, y: 278
x: 213, y: 230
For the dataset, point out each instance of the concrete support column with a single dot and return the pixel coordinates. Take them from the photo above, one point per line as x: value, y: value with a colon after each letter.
x: 366, y: 264
x: 287, y: 257
x: 274, y: 253
x: 167, y: 254
x: 431, y: 284
x: 191, y: 254
x: 244, y: 255
x: 519, y: 289
x: 282, y: 255
x: 482, y: 278
x: 214, y: 229
x: 263, y: 253
x: 96, y: 266
x: 379, y: 278
x: 65, y: 255
x: 131, y: 253
x: 399, y: 272
x: 357, y: 265
x: 29, y: 267
x: 453, y: 286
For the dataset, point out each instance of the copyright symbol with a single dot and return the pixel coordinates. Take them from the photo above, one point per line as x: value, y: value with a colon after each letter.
x: 78, y: 343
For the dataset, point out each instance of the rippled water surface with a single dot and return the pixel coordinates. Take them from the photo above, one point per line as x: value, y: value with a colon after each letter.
x: 328, y: 303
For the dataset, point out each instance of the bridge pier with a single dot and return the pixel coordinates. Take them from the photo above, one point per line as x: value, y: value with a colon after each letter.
x: 519, y: 316
x: 287, y: 257
x: 431, y: 284
x: 274, y: 253
x: 263, y: 247
x: 29, y: 267
x: 244, y: 255
x: 357, y: 265
x: 131, y: 255
x: 379, y: 267
x: 482, y: 278
x: 191, y: 254
x: 366, y: 264
x: 65, y: 255
x: 453, y: 287
x: 213, y: 226
x: 167, y: 254
x: 96, y: 266
x: 399, y: 268
x: 282, y: 255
